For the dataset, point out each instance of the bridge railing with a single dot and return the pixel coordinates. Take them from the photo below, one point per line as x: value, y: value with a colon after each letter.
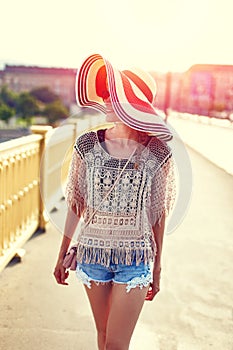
x: 30, y: 183
x: 19, y: 193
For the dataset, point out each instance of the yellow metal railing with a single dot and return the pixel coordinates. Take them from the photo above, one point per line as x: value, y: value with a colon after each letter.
x: 19, y: 193
x: 31, y: 183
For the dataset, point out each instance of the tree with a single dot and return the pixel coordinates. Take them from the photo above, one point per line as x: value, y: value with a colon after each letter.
x: 55, y: 111
x: 27, y: 106
x: 8, y: 97
x: 44, y: 94
x: 6, y: 112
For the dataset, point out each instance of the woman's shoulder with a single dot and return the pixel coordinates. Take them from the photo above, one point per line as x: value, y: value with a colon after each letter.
x: 85, y: 142
x: 159, y: 148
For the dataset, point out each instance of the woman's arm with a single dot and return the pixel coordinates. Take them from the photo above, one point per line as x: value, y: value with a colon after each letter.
x: 72, y: 220
x: 74, y: 194
x: 158, y: 231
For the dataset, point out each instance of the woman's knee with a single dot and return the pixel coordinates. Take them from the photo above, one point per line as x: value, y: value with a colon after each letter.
x: 101, y: 337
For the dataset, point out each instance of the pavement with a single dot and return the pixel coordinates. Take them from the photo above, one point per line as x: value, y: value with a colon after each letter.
x: 193, y: 310
x: 210, y: 137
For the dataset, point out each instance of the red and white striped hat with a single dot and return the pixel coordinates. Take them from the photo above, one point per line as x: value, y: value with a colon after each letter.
x: 131, y: 92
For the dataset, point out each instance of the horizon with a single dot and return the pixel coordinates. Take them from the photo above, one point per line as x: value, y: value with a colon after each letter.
x: 18, y: 64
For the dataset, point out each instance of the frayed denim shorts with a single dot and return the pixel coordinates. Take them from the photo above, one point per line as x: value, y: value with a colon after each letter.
x: 131, y: 275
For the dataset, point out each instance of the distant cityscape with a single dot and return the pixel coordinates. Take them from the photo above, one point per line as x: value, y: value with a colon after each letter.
x: 203, y: 89
x: 24, y: 78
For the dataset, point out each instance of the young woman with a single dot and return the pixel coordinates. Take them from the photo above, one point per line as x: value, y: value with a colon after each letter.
x: 121, y: 183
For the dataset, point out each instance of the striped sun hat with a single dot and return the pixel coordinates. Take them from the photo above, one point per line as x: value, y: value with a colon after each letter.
x: 132, y: 93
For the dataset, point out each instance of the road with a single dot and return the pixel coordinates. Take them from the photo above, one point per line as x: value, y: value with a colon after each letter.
x: 193, y: 310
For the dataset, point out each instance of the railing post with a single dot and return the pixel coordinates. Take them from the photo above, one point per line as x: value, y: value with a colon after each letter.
x: 42, y: 130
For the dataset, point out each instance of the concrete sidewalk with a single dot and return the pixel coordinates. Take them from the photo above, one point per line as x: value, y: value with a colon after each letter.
x: 193, y: 310
x: 214, y: 142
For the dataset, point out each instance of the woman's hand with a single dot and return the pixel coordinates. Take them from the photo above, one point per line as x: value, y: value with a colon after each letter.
x: 60, y: 273
x: 154, y: 286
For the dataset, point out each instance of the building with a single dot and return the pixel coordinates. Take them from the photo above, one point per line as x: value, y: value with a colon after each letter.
x: 25, y: 78
x: 168, y: 88
x: 207, y: 89
x: 204, y: 89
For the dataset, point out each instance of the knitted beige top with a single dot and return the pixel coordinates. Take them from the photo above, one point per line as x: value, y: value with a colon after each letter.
x: 121, y: 229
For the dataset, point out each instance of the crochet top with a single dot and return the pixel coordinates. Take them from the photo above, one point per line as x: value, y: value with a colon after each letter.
x: 120, y: 230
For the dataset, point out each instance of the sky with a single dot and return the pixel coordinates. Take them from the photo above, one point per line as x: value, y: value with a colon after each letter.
x: 159, y: 35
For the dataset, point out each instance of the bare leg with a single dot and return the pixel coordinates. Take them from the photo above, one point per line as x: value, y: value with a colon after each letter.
x: 123, y: 315
x: 99, y: 297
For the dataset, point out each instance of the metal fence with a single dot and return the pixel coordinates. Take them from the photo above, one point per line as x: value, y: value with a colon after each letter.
x: 30, y: 172
x: 19, y: 193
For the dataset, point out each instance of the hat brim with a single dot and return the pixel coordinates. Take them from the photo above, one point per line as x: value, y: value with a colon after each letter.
x: 129, y: 102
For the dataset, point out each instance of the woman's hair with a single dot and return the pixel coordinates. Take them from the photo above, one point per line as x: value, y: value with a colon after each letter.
x: 143, y: 138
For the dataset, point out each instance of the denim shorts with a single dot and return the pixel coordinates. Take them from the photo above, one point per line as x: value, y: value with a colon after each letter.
x: 131, y: 275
